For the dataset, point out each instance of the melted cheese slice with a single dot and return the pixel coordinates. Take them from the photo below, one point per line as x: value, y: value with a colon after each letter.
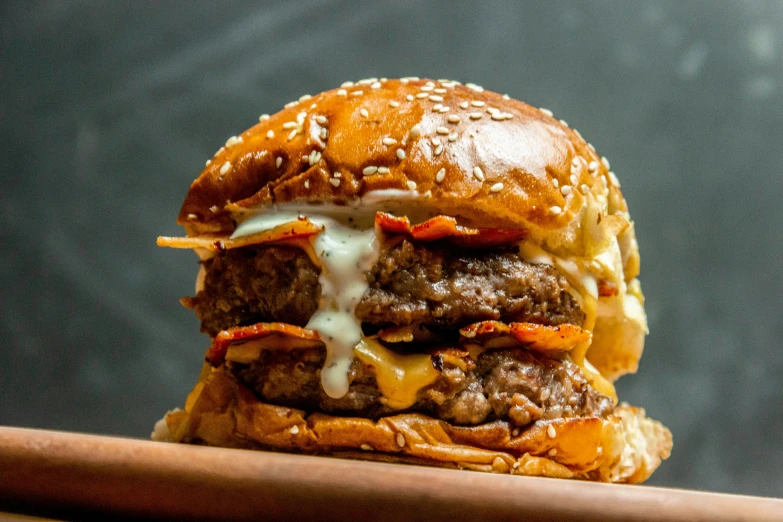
x: 399, y: 377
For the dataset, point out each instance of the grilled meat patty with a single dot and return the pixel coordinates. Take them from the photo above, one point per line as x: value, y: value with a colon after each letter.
x: 424, y: 285
x: 513, y: 384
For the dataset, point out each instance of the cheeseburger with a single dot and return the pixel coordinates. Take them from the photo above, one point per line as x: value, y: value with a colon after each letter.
x: 417, y: 271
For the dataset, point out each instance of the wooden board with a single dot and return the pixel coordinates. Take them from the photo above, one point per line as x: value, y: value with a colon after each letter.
x: 80, y: 473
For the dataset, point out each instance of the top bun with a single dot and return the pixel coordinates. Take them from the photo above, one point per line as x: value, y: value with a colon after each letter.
x: 459, y: 150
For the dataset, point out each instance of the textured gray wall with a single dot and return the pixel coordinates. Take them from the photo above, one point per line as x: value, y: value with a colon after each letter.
x: 108, y: 111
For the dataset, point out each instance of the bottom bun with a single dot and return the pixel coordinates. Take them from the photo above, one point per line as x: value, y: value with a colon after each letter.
x: 625, y: 447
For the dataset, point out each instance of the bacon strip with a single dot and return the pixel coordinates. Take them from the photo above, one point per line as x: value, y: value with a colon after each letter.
x: 276, y: 335
x: 536, y: 337
x: 446, y: 227
x: 302, y: 227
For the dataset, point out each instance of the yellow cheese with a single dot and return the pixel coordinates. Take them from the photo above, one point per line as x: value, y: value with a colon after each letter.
x: 399, y: 377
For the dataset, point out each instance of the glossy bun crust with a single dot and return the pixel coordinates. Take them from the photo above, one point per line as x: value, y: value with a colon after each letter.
x: 626, y: 447
x: 505, y: 163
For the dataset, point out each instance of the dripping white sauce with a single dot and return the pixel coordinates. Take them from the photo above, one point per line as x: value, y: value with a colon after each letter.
x: 347, y: 248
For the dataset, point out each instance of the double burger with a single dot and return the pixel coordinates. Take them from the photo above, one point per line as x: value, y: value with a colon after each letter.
x: 417, y: 271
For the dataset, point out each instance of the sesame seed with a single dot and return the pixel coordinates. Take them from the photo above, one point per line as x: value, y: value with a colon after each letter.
x: 437, y: 107
x: 478, y: 173
x: 304, y: 97
x: 324, y: 133
x: 493, y: 110
x: 508, y: 115
x: 438, y: 150
x: 208, y: 162
x: 342, y: 92
x: 357, y: 93
x: 453, y: 118
x: 367, y: 81
x: 335, y: 182
x: 278, y: 162
x: 497, y: 187
x: 555, y: 210
x: 300, y: 118
x: 270, y: 134
x: 290, y: 104
x: 477, y: 103
x: 306, y: 158
x: 605, y: 162
x: 315, y: 157
x: 400, y: 440
x: 427, y: 88
x: 364, y: 113
x: 412, y: 185
x: 584, y: 188
x: 430, y: 83
x: 515, y: 432
x: 422, y: 95
x: 312, y: 106
x: 375, y: 85
x: 404, y: 141
x: 263, y: 117
x: 366, y: 447
x: 307, y: 183
x: 436, y: 98
x: 464, y: 105
x: 435, y: 140
x: 506, y: 97
x: 555, y: 182
x: 573, y: 179
x: 453, y: 137
x: 576, y: 161
x: 294, y: 430
x: 439, y: 91
x: 369, y: 171
x: 474, y: 87
x: 415, y: 131
x: 404, y: 81
x: 394, y: 103
x: 552, y: 452
x: 546, y: 111
x: 409, y: 97
x: 220, y: 150
x: 292, y: 134
x: 321, y: 119
x: 401, y: 154
x: 389, y: 141
x: 225, y: 168
x: 289, y: 125
x: 565, y: 189
x: 475, y: 115
x: 550, y: 430
x: 593, y: 166
x: 614, y: 179
x: 444, y: 109
x: 442, y: 130
x: 497, y: 116
x: 383, y: 170
x: 440, y: 176
x: 347, y: 84
x: 590, y: 145
x: 338, y: 174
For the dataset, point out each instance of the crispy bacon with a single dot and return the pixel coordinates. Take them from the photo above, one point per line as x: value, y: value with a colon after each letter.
x: 446, y: 227
x: 277, y: 335
x: 536, y: 337
x: 302, y: 227
x: 607, y: 289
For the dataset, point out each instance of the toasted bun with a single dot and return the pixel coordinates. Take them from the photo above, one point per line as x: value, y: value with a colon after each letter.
x: 626, y: 447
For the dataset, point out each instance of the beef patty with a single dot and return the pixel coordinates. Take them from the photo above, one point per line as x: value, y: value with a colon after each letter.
x: 514, y: 385
x: 429, y: 285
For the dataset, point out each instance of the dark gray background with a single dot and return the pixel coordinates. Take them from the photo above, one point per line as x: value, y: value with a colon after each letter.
x: 109, y: 110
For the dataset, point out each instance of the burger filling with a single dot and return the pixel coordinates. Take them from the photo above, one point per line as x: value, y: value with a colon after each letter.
x: 435, y: 288
x: 513, y: 384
